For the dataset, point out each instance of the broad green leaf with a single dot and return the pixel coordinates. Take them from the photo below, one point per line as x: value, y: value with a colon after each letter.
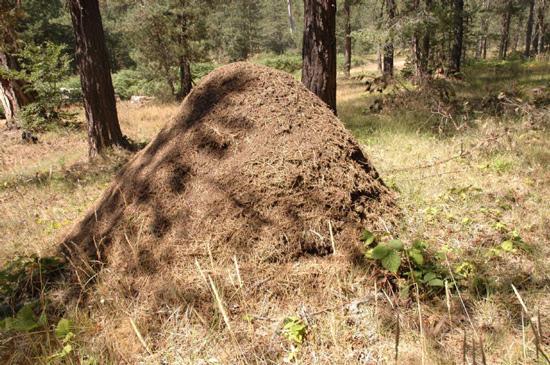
x: 368, y: 253
x: 395, y: 245
x: 436, y: 282
x: 24, y: 320
x: 416, y: 256
x: 380, y: 251
x: 63, y: 328
x: 392, y: 262
x: 294, y: 329
x: 429, y: 276
x: 507, y: 245
x: 419, y: 245
x: 43, y: 319
x: 367, y: 237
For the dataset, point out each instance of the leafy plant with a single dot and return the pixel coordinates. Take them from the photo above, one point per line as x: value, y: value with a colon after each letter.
x: 417, y: 268
x: 294, y: 330
x: 42, y: 66
x: 22, y: 279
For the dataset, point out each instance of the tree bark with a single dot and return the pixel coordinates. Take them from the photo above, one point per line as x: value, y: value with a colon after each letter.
x: 290, y: 17
x: 529, y: 32
x: 388, y: 46
x: 12, y: 94
x: 347, y: 38
x: 319, y: 49
x: 505, y: 31
x: 539, y: 40
x: 458, y: 33
x: 95, y: 77
x: 186, y: 80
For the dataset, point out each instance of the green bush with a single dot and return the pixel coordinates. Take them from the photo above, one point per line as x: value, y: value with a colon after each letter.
x: 71, y: 89
x: 127, y: 83
x: 42, y: 66
x: 286, y: 62
x: 199, y: 70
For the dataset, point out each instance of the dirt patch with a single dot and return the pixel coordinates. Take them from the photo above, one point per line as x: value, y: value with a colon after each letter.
x: 248, y: 174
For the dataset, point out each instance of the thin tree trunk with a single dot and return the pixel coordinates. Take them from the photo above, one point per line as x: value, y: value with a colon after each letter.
x: 529, y: 32
x: 379, y: 63
x: 458, y: 33
x: 12, y: 94
x: 481, y: 51
x: 186, y: 80
x: 290, y: 17
x: 539, y: 45
x: 95, y: 77
x: 505, y: 31
x: 347, y: 38
x: 425, y: 47
x: 319, y: 50
x: 388, y: 46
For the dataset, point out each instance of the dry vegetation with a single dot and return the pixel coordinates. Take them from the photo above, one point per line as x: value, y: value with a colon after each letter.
x: 463, y: 190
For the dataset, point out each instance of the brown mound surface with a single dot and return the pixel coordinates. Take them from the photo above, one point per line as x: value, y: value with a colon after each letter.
x: 253, y: 168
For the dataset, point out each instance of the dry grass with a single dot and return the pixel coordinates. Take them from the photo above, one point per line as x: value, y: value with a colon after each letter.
x: 464, y: 207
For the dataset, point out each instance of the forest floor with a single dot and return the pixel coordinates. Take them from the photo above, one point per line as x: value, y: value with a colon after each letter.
x: 475, y: 188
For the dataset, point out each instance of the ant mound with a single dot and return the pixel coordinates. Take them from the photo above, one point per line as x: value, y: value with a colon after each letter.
x: 254, y: 194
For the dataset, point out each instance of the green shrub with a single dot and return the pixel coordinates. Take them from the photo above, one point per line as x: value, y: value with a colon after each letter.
x: 199, y: 70
x: 42, y: 66
x: 71, y: 89
x: 127, y: 83
x: 286, y: 62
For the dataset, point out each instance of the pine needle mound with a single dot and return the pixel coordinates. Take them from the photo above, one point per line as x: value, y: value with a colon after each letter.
x: 249, y: 189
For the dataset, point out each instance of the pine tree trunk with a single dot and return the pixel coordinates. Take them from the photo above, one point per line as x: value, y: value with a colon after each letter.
x: 347, y: 38
x: 186, y: 80
x: 319, y: 49
x: 290, y: 17
x: 425, y: 60
x: 12, y: 94
x: 388, y: 46
x: 539, y: 44
x: 458, y: 32
x: 529, y: 32
x: 95, y: 77
x: 505, y: 31
x: 482, y: 45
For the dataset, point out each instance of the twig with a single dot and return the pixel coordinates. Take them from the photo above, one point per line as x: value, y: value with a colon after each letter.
x: 533, y: 326
x: 523, y: 344
x: 239, y: 279
x: 483, y: 358
x: 140, y: 338
x: 219, y: 303
x: 397, y: 334
x: 331, y: 238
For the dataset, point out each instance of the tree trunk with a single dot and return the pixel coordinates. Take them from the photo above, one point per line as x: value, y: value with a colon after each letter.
x: 319, y: 49
x: 379, y: 63
x: 505, y: 31
x: 12, y: 94
x: 458, y: 32
x: 290, y: 17
x: 482, y: 43
x: 425, y: 47
x: 529, y: 32
x: 95, y: 77
x: 388, y: 46
x: 186, y: 80
x: 539, y: 44
x: 347, y: 38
